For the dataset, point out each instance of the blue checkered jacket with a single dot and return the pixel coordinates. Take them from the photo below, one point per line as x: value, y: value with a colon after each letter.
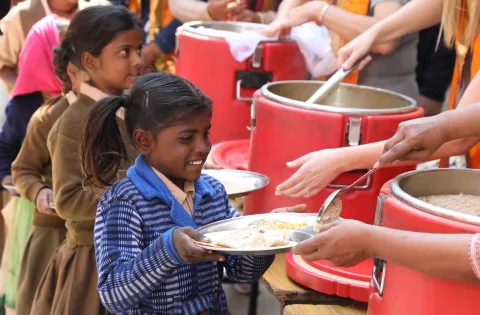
x: 139, y: 270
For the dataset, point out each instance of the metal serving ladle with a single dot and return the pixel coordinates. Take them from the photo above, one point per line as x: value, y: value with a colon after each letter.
x: 331, y: 84
x: 339, y: 192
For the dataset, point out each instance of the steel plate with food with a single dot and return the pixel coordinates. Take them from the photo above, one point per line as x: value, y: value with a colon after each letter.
x: 262, y: 234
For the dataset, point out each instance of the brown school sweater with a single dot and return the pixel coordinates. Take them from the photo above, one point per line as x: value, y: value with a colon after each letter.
x: 74, y: 203
x: 32, y: 169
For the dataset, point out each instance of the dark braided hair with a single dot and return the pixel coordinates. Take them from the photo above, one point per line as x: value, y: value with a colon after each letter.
x: 61, y: 63
x: 60, y: 67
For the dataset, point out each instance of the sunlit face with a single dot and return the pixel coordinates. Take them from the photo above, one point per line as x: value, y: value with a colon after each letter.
x: 119, y: 64
x: 179, y: 151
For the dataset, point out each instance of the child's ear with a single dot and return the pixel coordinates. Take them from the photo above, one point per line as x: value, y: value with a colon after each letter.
x: 90, y: 62
x: 143, y: 141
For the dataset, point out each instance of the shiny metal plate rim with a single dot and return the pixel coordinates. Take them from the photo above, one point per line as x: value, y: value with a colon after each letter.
x: 263, y: 180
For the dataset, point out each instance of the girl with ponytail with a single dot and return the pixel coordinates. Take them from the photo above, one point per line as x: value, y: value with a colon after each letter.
x: 35, y: 84
x: 104, y: 42
x: 32, y: 175
x: 146, y: 222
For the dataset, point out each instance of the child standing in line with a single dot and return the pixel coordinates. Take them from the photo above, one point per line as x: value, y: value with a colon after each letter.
x: 145, y: 225
x: 105, y: 42
x: 35, y: 84
x: 32, y: 175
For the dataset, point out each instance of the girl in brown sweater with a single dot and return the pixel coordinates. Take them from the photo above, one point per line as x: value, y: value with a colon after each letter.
x: 105, y: 42
x: 32, y: 175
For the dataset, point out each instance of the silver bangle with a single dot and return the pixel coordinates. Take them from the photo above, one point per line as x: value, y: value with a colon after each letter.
x: 320, y: 19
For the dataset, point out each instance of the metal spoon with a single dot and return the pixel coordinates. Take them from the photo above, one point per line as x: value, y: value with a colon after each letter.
x: 331, y: 84
x: 339, y: 192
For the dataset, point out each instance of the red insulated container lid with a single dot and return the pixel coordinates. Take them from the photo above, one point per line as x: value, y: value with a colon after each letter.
x: 232, y: 154
x: 324, y: 277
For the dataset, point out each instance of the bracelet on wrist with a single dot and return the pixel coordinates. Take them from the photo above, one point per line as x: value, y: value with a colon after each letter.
x: 319, y: 20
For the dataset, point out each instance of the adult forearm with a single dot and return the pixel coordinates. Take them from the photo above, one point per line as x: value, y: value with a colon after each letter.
x: 414, y: 16
x: 440, y: 255
x: 347, y: 25
x: 287, y: 5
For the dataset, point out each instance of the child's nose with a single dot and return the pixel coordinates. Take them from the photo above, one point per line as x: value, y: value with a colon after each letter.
x: 137, y: 61
x: 203, y: 146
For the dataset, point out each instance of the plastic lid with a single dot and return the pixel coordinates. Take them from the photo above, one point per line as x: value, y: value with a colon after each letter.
x: 322, y: 276
x: 232, y: 154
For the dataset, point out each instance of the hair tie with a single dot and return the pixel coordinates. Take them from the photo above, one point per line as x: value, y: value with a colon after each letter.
x: 127, y: 100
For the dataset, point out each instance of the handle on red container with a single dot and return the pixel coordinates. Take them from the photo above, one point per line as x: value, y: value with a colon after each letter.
x: 379, y: 270
x: 359, y: 187
x: 379, y: 265
x: 238, y: 93
x: 250, y: 80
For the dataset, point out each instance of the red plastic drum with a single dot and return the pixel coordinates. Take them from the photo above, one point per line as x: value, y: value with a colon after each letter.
x: 398, y: 290
x: 285, y: 128
x: 204, y: 58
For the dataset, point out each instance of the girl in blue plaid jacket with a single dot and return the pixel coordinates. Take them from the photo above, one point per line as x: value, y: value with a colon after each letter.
x: 146, y: 259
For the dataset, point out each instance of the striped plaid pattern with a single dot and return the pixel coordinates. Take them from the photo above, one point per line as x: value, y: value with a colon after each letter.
x: 139, y: 269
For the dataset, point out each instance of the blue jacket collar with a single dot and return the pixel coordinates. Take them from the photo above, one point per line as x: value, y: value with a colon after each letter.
x: 151, y: 186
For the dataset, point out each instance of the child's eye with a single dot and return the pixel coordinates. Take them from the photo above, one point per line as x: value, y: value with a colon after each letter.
x: 124, y: 52
x: 186, y: 139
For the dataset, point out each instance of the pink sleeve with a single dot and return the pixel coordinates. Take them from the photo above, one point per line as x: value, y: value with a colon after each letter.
x: 474, y: 254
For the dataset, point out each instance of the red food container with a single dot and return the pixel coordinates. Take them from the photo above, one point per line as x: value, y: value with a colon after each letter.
x: 204, y: 58
x: 284, y: 128
x: 397, y: 290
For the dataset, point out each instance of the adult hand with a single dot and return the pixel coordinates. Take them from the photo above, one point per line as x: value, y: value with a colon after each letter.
x: 295, y: 209
x: 357, y: 49
x: 218, y: 9
x: 44, y: 201
x: 188, y: 250
x: 297, y: 16
x: 316, y: 170
x: 343, y: 243
x: 415, y: 140
x: 240, y: 14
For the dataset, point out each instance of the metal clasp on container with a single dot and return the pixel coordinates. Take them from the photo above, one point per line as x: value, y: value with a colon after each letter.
x: 254, y: 77
x: 257, y: 57
x: 253, y: 115
x: 379, y: 265
x: 353, y: 137
x: 354, y: 131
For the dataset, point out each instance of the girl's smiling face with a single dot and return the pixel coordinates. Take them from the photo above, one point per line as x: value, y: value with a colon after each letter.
x: 119, y: 64
x: 178, y: 151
